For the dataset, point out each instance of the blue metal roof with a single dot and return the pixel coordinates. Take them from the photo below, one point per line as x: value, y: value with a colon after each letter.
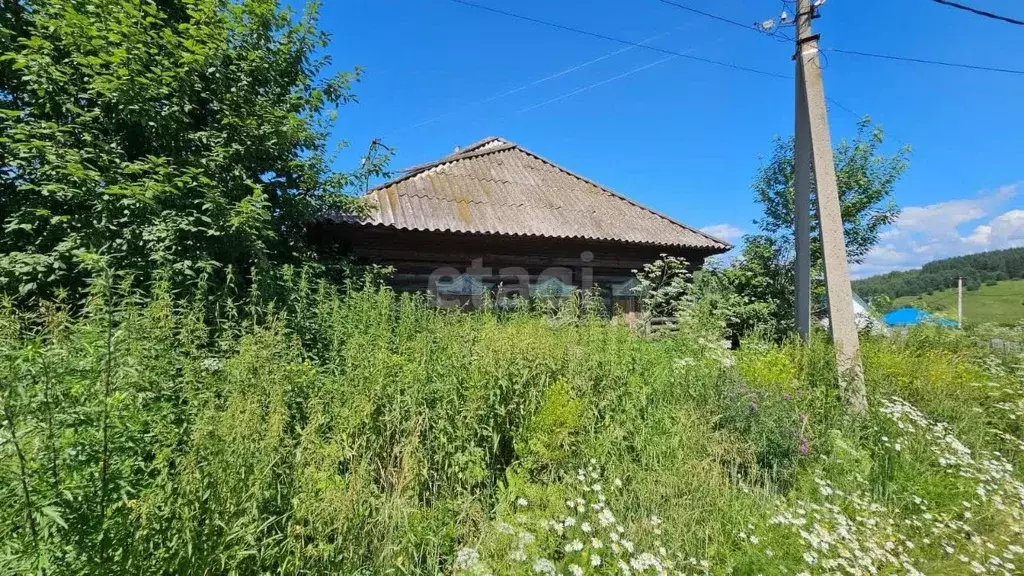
x: 912, y: 316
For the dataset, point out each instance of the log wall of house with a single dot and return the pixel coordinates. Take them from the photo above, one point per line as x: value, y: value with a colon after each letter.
x: 418, y: 256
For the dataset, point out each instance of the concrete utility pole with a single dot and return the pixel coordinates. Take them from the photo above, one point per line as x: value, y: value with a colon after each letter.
x: 811, y: 98
x: 959, y: 301
x: 802, y: 189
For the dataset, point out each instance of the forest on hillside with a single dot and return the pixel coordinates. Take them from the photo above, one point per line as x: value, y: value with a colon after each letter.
x: 977, y: 269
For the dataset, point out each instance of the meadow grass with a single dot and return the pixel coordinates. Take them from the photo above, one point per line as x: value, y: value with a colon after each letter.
x: 305, y: 431
x: 1002, y: 303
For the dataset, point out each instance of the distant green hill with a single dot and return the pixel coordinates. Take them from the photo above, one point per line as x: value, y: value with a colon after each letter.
x: 1002, y: 303
x: 977, y: 270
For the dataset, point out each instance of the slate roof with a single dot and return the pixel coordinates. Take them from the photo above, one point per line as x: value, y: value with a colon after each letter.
x: 497, y: 187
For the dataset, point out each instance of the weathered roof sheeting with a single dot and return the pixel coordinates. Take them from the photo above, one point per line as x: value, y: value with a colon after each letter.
x: 497, y: 187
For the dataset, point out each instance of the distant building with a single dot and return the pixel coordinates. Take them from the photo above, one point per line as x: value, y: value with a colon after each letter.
x: 863, y: 316
x: 909, y: 316
x: 494, y: 215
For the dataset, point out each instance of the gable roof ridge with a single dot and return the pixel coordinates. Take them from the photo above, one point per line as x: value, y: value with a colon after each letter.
x: 621, y: 197
x: 418, y: 169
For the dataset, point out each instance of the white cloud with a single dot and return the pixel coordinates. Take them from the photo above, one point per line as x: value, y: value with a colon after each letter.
x: 926, y: 233
x: 726, y: 232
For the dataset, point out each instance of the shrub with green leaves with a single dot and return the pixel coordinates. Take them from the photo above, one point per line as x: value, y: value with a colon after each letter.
x: 163, y: 135
x: 297, y: 430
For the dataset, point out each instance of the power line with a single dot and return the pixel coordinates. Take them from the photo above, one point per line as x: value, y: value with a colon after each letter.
x: 619, y: 40
x: 634, y: 45
x: 984, y: 13
x: 751, y: 27
x: 596, y: 84
x: 547, y: 78
x: 712, y: 16
x: 924, y: 61
x: 869, y: 54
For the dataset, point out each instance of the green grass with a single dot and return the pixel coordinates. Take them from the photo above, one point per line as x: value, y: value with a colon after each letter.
x: 1000, y: 304
x: 370, y: 434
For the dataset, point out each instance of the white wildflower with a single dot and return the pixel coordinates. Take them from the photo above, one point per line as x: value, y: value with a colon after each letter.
x: 467, y: 559
x: 544, y: 566
x: 574, y: 546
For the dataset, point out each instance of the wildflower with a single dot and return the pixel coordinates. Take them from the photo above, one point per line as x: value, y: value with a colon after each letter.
x: 606, y: 518
x: 575, y: 570
x: 585, y: 527
x: 467, y: 559
x: 596, y: 543
x: 645, y: 561
x: 543, y: 566
x: 569, y: 522
x: 805, y: 448
x: 522, y: 502
x: 574, y: 546
x: 595, y: 560
x: 618, y: 483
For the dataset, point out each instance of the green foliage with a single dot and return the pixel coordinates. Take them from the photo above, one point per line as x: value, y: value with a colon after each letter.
x: 664, y: 285
x: 764, y: 281
x: 298, y: 430
x: 182, y: 136
x: 553, y: 431
x: 764, y: 272
x: 865, y: 178
x: 986, y: 268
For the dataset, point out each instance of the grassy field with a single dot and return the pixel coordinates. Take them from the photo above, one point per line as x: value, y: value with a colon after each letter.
x: 372, y: 434
x: 1002, y: 303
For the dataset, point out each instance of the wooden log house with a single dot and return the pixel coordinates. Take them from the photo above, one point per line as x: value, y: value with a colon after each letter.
x: 496, y: 217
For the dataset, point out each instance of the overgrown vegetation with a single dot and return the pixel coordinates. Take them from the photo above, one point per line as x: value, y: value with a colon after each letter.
x: 175, y: 397
x: 189, y: 135
x: 300, y: 430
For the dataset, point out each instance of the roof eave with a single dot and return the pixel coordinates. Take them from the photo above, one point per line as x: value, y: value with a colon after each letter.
x: 721, y: 248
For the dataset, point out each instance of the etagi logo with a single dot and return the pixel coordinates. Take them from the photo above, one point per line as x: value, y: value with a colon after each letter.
x: 454, y: 288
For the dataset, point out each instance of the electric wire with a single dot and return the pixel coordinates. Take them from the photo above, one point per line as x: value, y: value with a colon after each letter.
x: 984, y: 13
x: 869, y: 54
x: 618, y: 40
x: 926, y: 61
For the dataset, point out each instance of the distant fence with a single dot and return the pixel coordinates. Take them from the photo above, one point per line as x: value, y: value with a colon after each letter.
x: 663, y: 325
x: 1004, y: 346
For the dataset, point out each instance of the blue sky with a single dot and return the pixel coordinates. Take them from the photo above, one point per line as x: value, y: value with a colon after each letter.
x: 685, y: 137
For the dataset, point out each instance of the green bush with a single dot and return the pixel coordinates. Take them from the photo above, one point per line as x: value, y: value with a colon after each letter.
x: 299, y: 430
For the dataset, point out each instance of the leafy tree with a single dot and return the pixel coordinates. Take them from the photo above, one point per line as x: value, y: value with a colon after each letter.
x: 185, y: 135
x: 764, y: 282
x: 865, y: 178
